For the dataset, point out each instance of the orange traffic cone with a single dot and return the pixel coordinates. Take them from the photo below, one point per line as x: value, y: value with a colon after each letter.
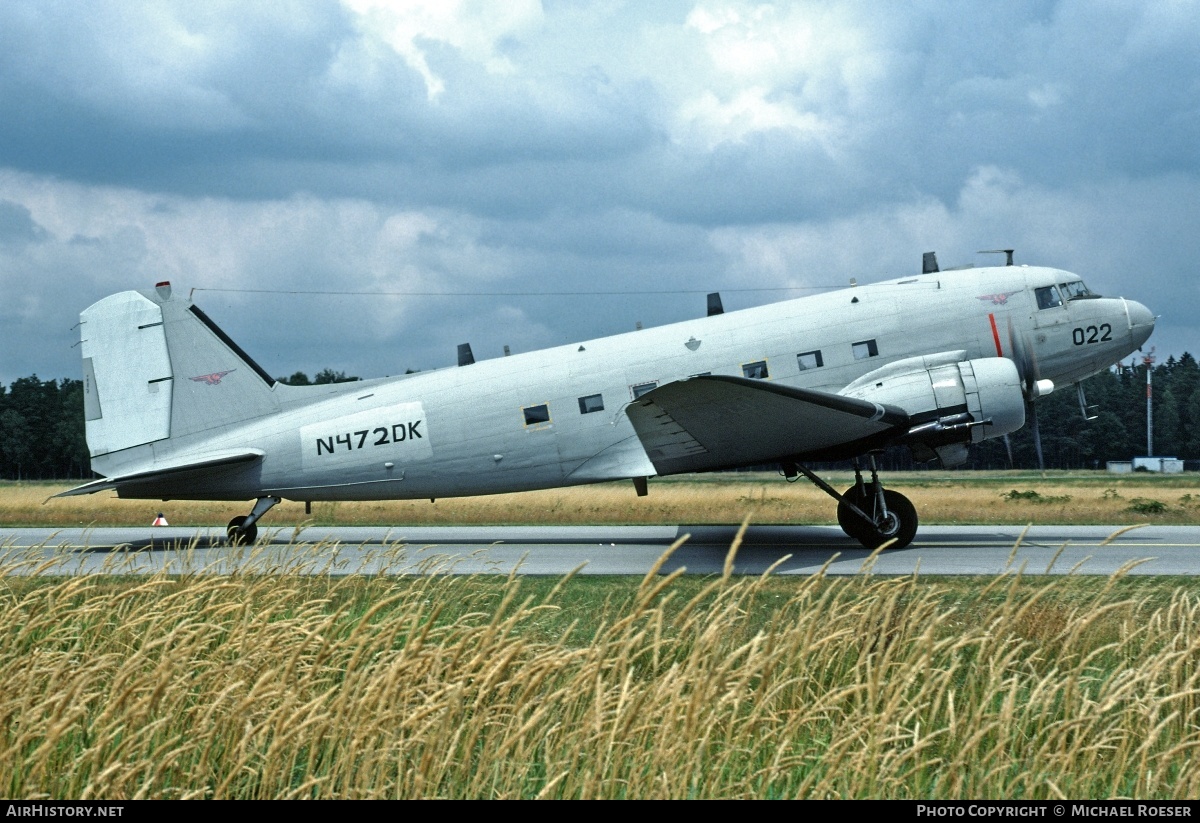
x: 160, y: 520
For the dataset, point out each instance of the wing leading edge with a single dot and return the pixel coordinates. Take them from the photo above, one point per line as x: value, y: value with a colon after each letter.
x: 717, y: 422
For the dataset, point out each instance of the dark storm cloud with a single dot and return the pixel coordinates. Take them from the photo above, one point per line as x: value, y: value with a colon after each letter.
x: 17, y: 226
x: 272, y: 105
x: 239, y: 102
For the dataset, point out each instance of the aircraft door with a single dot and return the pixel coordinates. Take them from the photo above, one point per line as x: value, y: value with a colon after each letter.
x: 1052, y: 325
x: 1050, y: 310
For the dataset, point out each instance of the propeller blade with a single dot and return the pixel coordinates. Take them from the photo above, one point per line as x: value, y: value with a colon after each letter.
x: 1032, y: 386
x: 1008, y: 448
x: 1026, y: 363
x: 1031, y: 414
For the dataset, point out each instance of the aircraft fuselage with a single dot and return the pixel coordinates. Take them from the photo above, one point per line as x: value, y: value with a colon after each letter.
x: 558, y: 416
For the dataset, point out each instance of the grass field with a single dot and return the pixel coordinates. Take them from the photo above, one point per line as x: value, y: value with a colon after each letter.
x: 1013, y: 498
x: 464, y: 687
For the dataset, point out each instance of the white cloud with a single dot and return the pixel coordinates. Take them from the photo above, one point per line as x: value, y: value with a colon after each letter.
x: 763, y: 43
x: 255, y: 265
x: 712, y: 121
x: 799, y: 68
x: 475, y: 29
x: 868, y: 246
x: 1110, y: 232
x: 1047, y: 95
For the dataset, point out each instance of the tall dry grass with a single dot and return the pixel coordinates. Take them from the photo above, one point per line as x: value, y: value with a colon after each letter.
x: 442, y: 686
x: 940, y: 497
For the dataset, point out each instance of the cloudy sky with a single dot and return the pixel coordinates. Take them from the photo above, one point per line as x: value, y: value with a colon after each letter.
x: 532, y: 174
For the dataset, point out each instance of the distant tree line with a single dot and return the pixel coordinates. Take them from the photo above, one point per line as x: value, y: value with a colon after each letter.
x: 1117, y: 400
x: 324, y: 376
x: 42, y: 429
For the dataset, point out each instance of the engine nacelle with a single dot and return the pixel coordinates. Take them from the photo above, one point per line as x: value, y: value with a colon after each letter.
x: 952, y: 401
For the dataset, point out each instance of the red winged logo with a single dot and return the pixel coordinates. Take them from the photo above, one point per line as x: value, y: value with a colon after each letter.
x: 212, y: 379
x: 994, y: 299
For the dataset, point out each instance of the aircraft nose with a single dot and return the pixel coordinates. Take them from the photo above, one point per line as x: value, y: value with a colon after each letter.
x: 1141, y: 321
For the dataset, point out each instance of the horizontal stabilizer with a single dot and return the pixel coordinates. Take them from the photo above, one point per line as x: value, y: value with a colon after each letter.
x: 171, y: 470
x: 718, y: 422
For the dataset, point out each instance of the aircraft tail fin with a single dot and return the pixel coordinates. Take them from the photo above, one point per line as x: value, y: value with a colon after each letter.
x: 157, y: 368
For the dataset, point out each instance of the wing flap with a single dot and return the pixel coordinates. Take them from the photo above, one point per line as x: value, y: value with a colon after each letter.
x: 718, y: 422
x: 167, y: 470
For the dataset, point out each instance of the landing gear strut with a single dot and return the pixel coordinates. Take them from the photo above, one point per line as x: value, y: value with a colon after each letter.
x: 242, y: 530
x: 868, y: 512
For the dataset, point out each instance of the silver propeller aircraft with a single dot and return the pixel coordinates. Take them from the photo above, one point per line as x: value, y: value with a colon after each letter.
x: 935, y: 361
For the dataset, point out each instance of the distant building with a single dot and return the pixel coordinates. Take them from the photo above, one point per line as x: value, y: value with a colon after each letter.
x: 1164, y: 465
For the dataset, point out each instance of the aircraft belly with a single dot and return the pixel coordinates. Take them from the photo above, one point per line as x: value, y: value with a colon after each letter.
x: 460, y: 478
x: 236, y: 482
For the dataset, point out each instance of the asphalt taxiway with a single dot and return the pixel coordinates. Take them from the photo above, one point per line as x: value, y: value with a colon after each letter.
x: 614, y: 550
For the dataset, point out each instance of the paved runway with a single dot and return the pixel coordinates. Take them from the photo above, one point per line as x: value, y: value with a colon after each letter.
x: 618, y: 550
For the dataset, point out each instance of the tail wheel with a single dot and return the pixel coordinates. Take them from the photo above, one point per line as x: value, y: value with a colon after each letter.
x: 238, y: 535
x: 898, y: 525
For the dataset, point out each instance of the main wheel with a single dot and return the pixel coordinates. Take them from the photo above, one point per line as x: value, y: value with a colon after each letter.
x: 238, y: 535
x: 853, y: 525
x: 899, y: 525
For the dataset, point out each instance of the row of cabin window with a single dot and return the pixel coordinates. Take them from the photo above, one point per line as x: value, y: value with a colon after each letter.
x: 756, y: 370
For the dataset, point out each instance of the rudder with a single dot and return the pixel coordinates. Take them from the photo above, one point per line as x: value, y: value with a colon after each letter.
x: 126, y: 373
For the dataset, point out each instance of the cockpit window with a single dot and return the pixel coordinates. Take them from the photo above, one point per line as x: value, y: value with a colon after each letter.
x: 1075, y: 290
x: 1047, y: 297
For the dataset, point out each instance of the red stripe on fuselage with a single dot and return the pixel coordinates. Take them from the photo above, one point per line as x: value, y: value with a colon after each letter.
x: 995, y: 335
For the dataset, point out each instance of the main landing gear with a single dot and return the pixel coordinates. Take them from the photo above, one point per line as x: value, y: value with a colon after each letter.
x: 868, y: 512
x: 242, y: 530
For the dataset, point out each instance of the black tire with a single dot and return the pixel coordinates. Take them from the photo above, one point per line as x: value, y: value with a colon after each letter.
x: 237, y: 535
x: 901, y: 526
x: 853, y: 525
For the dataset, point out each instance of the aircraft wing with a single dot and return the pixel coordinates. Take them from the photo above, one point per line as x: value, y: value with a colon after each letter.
x: 168, y: 470
x: 719, y: 422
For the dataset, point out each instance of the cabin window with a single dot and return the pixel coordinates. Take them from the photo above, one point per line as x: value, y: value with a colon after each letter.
x: 756, y: 370
x: 641, y: 388
x: 591, y: 403
x: 536, y: 414
x: 865, y: 349
x: 1047, y: 297
x: 810, y: 360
